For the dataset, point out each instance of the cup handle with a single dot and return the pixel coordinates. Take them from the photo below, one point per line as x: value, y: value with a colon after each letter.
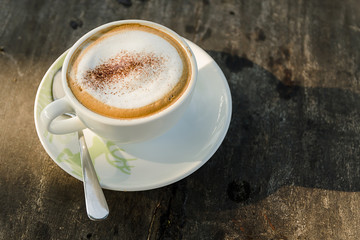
x: 57, y: 126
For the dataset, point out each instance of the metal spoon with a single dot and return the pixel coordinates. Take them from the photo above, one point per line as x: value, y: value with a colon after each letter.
x: 96, y: 205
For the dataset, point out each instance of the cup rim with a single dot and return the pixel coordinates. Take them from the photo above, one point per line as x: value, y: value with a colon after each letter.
x: 131, y: 121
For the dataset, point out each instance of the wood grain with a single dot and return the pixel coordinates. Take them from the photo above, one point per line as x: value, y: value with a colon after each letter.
x: 288, y: 168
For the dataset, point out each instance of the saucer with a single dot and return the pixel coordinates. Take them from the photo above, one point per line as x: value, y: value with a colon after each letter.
x: 157, y: 162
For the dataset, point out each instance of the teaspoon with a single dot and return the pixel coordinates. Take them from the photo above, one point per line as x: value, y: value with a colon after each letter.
x: 96, y: 205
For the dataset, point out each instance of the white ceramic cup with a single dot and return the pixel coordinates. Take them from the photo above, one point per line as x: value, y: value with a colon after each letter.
x: 119, y: 130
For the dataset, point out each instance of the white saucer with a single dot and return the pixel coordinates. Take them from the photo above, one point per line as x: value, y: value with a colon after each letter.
x: 154, y: 163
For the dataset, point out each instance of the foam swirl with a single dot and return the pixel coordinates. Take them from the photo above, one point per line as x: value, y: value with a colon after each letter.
x: 130, y: 69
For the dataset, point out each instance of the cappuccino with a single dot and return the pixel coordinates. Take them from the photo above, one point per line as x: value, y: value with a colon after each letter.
x: 129, y: 71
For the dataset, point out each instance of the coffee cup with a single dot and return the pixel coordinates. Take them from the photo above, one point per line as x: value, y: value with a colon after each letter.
x: 127, y: 81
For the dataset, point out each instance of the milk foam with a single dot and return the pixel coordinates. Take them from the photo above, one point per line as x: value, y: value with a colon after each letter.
x: 136, y: 89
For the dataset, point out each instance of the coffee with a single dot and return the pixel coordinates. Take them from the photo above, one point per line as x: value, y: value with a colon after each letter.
x: 129, y: 71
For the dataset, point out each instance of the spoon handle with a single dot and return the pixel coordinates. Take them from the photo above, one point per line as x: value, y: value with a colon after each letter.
x: 96, y: 205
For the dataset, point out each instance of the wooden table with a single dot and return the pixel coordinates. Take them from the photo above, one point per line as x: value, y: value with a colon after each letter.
x: 289, y: 167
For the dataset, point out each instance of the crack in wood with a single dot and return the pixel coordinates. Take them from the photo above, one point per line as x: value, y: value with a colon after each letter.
x: 152, y: 220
